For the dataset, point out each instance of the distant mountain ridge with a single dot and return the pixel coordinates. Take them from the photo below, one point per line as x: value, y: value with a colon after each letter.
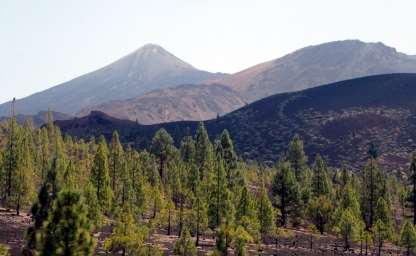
x: 305, y: 68
x: 148, y: 68
x: 338, y: 120
x: 140, y: 86
x: 316, y: 65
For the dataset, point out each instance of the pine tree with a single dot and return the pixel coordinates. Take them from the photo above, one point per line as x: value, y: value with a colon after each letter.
x: 345, y: 176
x: 126, y: 193
x: 68, y: 228
x: 199, y: 214
x: 286, y: 190
x: 320, y: 212
x: 45, y: 153
x: 40, y: 214
x: 408, y: 237
x: 187, y: 149
x: 349, y: 227
x: 184, y: 246
x: 94, y: 208
x: 116, y: 161
x: 229, y: 155
x: 24, y: 176
x: 349, y: 200
x: 127, y: 237
x: 413, y: 180
x: 265, y: 214
x: 241, y: 237
x: 100, y: 176
x: 203, y: 151
x: 221, y: 243
x: 382, y: 212
x: 246, y: 206
x: 60, y: 160
x: 297, y: 158
x: 373, y: 187
x: 10, y: 158
x: 137, y: 180
x: 162, y: 147
x: 320, y: 180
x: 382, y: 232
x: 69, y: 177
x: 220, y: 204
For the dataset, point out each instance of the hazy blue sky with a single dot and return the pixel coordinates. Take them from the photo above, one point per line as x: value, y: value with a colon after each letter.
x: 46, y: 42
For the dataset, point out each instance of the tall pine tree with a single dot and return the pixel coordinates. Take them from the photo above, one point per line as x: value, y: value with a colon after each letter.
x: 100, y: 176
x: 68, y: 229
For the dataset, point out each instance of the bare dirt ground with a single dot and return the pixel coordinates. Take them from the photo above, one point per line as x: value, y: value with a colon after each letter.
x: 12, y: 230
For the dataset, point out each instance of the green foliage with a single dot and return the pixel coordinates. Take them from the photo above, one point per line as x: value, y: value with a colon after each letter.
x: 382, y: 212
x: 68, y: 229
x: 184, y: 246
x: 297, y: 158
x: 162, y: 147
x: 349, y: 227
x: 412, y: 178
x: 203, y: 151
x: 198, y: 216
x: 128, y: 237
x: 100, y: 176
x: 382, y: 232
x: 188, y: 149
x: 41, y: 211
x: 320, y: 180
x: 408, y: 237
x: 116, y: 165
x: 265, y: 214
x: 230, y: 157
x: 320, y: 212
x: 286, y: 191
x: 373, y: 188
x: 221, y: 242
x: 4, y: 250
x: 200, y: 188
x: 94, y: 208
x: 241, y: 237
x: 220, y: 205
x: 246, y: 206
x: 348, y: 199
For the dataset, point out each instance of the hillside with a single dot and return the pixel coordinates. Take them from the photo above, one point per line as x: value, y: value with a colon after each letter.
x: 302, y: 69
x: 148, y: 68
x: 337, y: 120
x: 186, y: 102
x: 316, y: 65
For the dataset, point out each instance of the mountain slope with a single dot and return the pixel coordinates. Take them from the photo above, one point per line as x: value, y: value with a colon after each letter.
x: 186, y: 102
x: 337, y: 120
x: 319, y: 64
x: 305, y: 68
x: 148, y: 68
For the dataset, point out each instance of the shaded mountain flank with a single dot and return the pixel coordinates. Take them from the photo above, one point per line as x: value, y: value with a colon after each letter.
x: 148, y: 68
x: 337, y: 120
x: 302, y: 69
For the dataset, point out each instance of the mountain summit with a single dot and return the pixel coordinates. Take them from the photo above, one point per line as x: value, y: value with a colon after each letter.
x: 148, y: 68
x: 305, y: 68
